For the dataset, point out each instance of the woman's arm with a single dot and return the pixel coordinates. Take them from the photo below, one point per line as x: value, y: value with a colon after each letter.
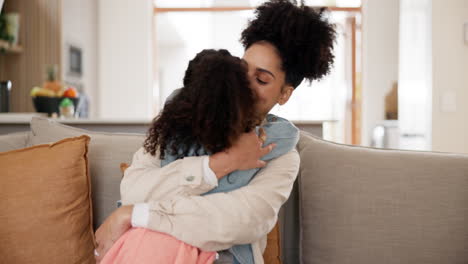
x: 221, y: 220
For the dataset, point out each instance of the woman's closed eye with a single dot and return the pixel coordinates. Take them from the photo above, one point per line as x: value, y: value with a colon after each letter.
x: 261, y: 82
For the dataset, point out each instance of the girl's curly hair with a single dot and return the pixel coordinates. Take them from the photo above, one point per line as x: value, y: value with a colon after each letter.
x: 215, y: 106
x: 303, y: 37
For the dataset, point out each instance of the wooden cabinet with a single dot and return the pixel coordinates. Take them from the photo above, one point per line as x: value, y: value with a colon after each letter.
x: 40, y: 39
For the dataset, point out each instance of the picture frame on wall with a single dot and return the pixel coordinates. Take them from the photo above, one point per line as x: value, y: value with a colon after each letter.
x: 75, y: 60
x: 465, y: 29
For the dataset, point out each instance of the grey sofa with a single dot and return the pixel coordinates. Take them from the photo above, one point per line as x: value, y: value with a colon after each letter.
x: 349, y: 205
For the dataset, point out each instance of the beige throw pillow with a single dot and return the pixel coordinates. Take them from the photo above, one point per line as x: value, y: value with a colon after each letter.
x: 105, y: 151
x: 45, y: 204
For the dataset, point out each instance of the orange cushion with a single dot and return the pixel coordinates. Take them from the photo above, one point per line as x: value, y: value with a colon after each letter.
x: 272, y: 254
x: 45, y: 204
x: 123, y: 167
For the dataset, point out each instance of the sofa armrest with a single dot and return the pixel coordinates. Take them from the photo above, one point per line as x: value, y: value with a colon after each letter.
x: 14, y: 141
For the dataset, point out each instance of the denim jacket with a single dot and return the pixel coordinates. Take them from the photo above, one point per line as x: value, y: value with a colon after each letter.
x: 279, y: 131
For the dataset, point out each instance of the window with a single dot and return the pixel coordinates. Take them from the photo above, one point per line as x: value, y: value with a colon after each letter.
x: 180, y: 35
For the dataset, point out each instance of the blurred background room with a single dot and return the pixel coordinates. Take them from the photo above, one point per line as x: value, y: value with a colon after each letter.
x: 399, y: 80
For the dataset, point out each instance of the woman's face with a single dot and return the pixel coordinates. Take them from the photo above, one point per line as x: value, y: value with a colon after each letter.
x: 266, y: 76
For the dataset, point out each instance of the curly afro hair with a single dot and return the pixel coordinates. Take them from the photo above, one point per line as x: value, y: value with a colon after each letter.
x: 303, y: 37
x: 211, y: 111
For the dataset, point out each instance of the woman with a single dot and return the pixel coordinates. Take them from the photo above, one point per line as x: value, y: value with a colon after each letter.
x: 284, y: 45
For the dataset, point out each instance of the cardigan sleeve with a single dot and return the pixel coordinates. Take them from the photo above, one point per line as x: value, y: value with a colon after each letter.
x: 218, y: 221
x: 146, y: 180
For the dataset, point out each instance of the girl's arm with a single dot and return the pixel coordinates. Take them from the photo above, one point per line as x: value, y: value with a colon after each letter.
x: 145, y: 177
x: 146, y: 172
x: 219, y: 221
x: 146, y: 180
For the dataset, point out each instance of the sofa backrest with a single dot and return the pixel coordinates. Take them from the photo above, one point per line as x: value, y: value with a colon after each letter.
x: 13, y: 141
x: 350, y: 204
x: 365, y: 205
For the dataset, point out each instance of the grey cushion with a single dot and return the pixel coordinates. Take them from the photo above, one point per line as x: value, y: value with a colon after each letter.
x: 363, y: 205
x: 106, y: 152
x: 14, y: 141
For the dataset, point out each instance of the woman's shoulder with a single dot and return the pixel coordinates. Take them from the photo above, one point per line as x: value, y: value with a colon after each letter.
x: 274, y: 118
x: 278, y: 127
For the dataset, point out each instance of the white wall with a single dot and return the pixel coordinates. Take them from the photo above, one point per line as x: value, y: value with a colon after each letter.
x: 380, y: 60
x: 415, y: 75
x: 450, y: 76
x: 125, y: 59
x: 79, y: 28
x: 175, y: 33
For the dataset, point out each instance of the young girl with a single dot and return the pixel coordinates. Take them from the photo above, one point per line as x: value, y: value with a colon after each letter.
x: 206, y: 116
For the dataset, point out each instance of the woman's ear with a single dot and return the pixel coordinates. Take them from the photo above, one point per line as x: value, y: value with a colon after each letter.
x: 285, y: 94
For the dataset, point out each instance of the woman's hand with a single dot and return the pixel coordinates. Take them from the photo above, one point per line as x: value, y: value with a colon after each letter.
x: 114, y: 227
x: 245, y: 154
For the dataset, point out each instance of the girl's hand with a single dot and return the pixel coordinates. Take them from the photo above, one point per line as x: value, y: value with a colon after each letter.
x: 245, y: 154
x: 114, y: 227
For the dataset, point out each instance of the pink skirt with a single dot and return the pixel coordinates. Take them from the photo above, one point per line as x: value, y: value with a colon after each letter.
x: 141, y: 245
